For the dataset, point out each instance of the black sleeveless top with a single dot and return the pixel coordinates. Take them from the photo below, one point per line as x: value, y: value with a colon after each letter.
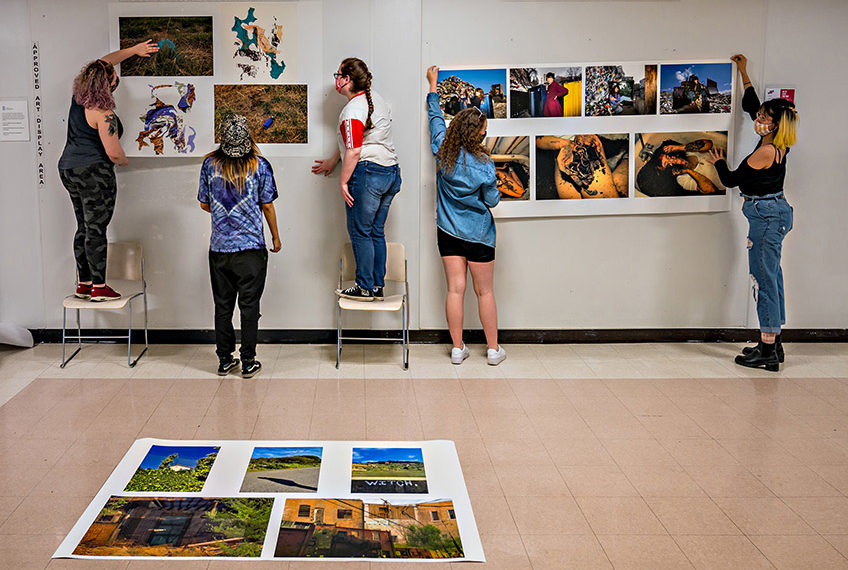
x: 753, y: 182
x: 83, y: 146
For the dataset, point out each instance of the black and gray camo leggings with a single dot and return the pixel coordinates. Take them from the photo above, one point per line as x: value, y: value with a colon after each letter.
x: 92, y: 189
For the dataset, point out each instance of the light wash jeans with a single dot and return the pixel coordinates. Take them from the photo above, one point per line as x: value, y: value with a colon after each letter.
x: 769, y: 220
x: 373, y: 187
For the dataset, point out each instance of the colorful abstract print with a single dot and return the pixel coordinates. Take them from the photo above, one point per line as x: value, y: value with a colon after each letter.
x: 163, y: 120
x: 253, y: 44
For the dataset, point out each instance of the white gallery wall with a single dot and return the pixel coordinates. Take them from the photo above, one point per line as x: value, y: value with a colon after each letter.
x: 646, y: 271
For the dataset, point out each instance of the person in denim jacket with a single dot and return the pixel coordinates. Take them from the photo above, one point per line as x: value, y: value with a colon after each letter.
x: 466, y: 190
x: 760, y: 180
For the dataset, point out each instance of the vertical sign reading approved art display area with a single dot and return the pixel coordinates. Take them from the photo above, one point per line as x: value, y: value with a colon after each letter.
x: 39, y: 121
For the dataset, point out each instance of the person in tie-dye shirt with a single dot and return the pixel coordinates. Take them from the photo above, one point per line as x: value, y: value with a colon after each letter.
x: 237, y: 188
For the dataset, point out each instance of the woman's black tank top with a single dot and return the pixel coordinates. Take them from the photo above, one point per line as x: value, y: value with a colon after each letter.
x: 83, y: 146
x: 763, y: 182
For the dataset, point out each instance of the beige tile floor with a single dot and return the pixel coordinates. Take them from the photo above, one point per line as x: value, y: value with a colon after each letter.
x: 575, y: 456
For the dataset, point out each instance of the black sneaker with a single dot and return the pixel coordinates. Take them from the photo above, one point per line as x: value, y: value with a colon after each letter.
x: 250, y: 368
x: 227, y: 366
x: 378, y: 293
x: 356, y: 293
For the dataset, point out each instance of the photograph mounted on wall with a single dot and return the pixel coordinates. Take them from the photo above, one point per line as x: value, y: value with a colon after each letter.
x: 173, y: 469
x: 628, y: 89
x: 351, y: 528
x: 460, y: 89
x: 388, y: 470
x: 283, y: 470
x: 185, y: 45
x: 582, y: 166
x: 674, y: 164
x: 511, y: 156
x: 166, y: 118
x: 696, y: 88
x: 178, y: 527
x: 545, y: 92
x: 276, y: 114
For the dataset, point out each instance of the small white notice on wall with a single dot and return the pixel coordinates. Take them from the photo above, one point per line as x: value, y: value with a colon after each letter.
x: 14, y: 120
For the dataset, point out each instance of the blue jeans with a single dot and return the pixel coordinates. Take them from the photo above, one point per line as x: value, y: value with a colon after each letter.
x: 373, y: 187
x: 769, y: 220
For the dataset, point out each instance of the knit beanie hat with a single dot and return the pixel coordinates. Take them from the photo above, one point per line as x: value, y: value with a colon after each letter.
x: 235, y: 136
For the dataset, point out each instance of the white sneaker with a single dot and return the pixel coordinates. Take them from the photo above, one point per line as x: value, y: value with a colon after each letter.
x: 459, y: 354
x: 495, y: 357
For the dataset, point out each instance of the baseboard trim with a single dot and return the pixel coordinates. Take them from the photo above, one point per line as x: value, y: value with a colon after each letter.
x: 441, y: 336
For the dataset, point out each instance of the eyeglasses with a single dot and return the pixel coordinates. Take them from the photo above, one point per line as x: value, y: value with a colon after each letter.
x: 338, y: 75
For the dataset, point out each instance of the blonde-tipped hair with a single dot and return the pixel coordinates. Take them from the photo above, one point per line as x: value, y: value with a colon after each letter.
x: 236, y: 171
x: 783, y: 114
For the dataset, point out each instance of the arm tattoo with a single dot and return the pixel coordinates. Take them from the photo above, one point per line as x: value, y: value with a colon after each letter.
x: 112, y: 121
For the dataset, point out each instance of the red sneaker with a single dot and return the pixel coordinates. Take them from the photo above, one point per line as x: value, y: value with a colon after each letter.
x: 83, y: 291
x: 104, y: 293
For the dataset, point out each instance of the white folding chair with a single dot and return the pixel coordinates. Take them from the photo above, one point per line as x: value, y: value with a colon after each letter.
x: 125, y: 273
x: 395, y: 273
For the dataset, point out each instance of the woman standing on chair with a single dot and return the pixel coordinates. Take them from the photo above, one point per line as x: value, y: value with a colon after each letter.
x: 237, y: 187
x: 760, y: 179
x: 466, y: 190
x: 370, y: 176
x: 87, y: 166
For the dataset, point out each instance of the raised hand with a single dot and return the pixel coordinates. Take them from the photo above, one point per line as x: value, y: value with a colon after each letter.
x: 145, y: 49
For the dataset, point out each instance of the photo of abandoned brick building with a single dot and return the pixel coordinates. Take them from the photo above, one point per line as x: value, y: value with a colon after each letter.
x: 350, y: 528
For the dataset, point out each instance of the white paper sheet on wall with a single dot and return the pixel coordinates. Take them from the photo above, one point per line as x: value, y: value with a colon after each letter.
x: 249, y: 500
x: 263, y: 43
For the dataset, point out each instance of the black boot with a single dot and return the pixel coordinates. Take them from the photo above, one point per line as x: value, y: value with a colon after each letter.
x: 778, y: 348
x: 762, y: 356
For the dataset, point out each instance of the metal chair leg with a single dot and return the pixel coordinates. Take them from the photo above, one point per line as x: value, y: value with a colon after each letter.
x: 132, y: 363
x: 338, y: 335
x: 64, y: 336
x: 404, y: 337
x: 129, y: 337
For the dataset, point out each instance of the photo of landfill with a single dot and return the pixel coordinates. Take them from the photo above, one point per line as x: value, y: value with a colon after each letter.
x: 511, y: 156
x: 545, y: 92
x: 582, y: 166
x: 459, y: 89
x: 629, y: 89
x: 696, y: 88
x: 674, y: 164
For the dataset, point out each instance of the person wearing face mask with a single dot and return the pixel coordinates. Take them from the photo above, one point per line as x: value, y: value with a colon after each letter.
x: 87, y: 166
x: 467, y: 189
x: 760, y: 180
x: 370, y: 176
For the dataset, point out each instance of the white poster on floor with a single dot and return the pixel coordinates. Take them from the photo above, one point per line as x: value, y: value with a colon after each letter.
x: 281, y: 500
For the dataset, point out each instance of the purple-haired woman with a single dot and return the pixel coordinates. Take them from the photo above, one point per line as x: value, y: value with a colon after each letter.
x: 87, y: 165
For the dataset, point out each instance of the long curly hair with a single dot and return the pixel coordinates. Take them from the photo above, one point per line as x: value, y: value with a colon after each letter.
x: 463, y: 133
x: 93, y: 86
x: 360, y: 78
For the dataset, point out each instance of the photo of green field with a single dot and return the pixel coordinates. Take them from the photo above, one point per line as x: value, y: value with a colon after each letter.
x: 276, y: 114
x: 387, y: 470
x: 185, y: 45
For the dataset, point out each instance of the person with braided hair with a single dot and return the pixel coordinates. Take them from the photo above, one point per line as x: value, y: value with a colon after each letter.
x: 370, y: 176
x: 87, y: 165
x: 467, y: 189
x: 760, y: 180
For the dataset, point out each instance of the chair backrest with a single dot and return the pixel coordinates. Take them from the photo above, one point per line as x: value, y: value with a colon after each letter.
x: 124, y: 260
x: 395, y: 262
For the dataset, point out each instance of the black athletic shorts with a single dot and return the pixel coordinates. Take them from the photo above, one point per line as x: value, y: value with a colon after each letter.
x: 471, y: 251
